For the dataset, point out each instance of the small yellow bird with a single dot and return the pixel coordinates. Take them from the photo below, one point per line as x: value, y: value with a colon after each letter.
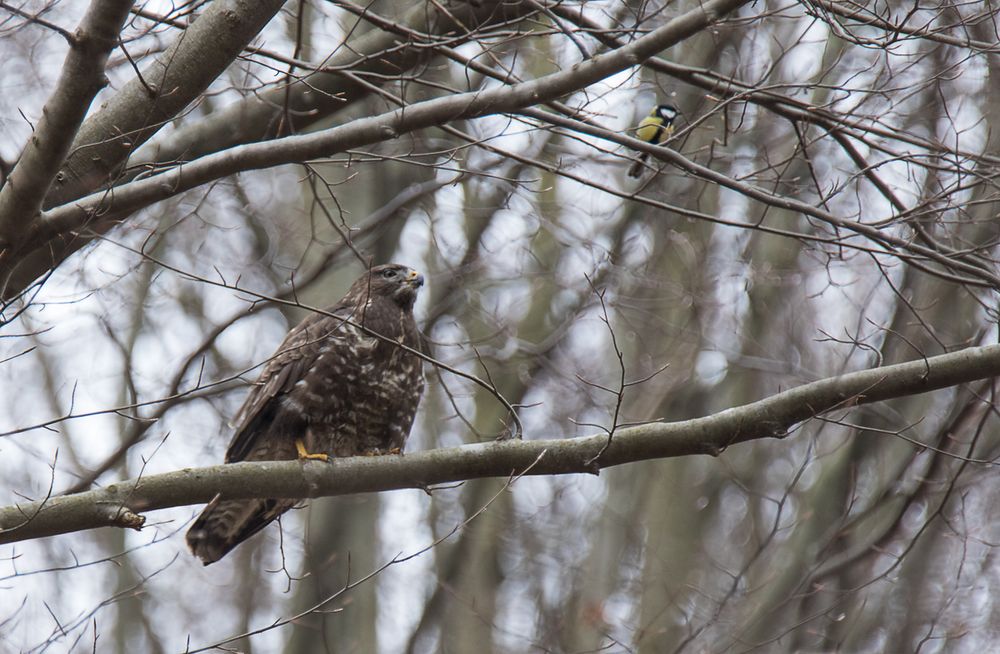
x: 654, y: 128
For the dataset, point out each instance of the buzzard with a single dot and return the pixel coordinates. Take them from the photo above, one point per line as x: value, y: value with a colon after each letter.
x: 332, y: 389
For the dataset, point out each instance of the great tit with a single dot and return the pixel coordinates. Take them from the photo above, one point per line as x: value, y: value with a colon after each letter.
x: 654, y: 128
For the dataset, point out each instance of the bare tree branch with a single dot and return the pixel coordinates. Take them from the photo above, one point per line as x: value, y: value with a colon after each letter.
x: 81, y: 79
x: 289, y: 109
x: 105, y: 140
x: 365, y: 131
x: 198, y: 56
x: 120, y: 504
x: 178, y: 76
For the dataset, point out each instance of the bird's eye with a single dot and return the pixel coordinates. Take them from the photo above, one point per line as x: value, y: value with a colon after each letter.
x: 389, y: 274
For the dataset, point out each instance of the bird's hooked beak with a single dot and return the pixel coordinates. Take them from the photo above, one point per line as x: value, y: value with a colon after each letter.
x: 414, y: 279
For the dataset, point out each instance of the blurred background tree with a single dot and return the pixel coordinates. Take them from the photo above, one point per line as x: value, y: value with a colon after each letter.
x: 827, y: 204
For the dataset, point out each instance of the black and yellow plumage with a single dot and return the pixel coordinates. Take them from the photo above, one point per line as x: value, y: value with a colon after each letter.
x: 332, y: 389
x: 654, y: 128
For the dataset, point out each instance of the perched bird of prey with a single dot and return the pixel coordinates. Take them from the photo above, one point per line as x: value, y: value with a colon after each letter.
x: 332, y: 389
x: 654, y: 128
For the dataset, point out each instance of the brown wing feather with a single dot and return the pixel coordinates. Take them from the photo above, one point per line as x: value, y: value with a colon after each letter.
x: 224, y: 524
x: 295, y: 355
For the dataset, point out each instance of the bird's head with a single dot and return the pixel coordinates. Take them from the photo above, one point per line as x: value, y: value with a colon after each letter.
x: 393, y: 281
x: 666, y: 112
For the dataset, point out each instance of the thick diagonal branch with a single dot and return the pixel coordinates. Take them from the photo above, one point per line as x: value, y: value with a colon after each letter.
x: 160, y: 92
x: 284, y: 110
x: 374, y: 129
x: 120, y: 504
x: 68, y: 221
x: 81, y: 79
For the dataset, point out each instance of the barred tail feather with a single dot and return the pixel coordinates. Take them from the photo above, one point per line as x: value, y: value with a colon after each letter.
x: 224, y: 524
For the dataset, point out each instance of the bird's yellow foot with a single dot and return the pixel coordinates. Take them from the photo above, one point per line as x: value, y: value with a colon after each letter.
x: 300, y: 447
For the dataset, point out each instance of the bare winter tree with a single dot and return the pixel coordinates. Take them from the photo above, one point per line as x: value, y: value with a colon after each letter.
x: 802, y: 284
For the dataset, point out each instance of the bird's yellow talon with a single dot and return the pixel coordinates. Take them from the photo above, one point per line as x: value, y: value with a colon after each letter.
x: 300, y: 447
